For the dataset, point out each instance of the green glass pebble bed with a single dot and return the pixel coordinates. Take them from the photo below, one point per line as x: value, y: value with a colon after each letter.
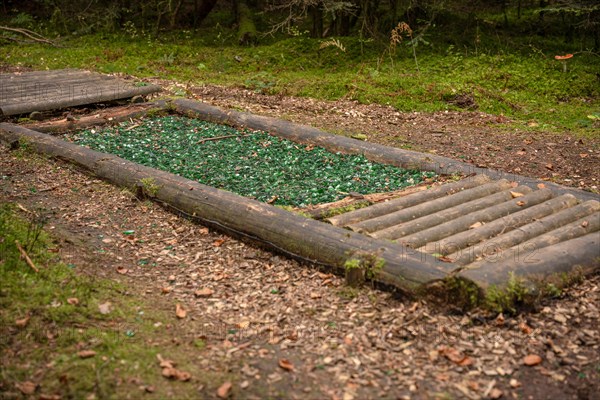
x: 250, y: 163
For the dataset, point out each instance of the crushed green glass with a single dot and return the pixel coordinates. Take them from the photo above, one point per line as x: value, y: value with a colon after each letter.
x: 250, y: 163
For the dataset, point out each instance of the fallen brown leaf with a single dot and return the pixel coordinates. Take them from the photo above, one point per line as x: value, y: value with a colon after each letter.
x: 465, y: 362
x: 456, y: 356
x: 122, y: 270
x: 166, y: 289
x: 174, y: 373
x: 104, y: 308
x: 583, y: 155
x: 243, y: 324
x: 180, y: 312
x: 218, y: 242
x: 476, y: 224
x: 495, y: 393
x: 44, y: 396
x: 22, y: 323
x: 204, y: 292
x: 516, y: 194
x: 223, y: 391
x: 26, y: 387
x: 286, y: 364
x: 165, y: 363
x: 86, y: 353
x: 526, y: 329
x: 550, y: 167
x: 532, y: 360
x: 73, y: 301
x: 541, y: 186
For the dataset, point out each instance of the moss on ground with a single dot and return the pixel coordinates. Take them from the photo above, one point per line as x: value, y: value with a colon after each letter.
x: 48, y: 317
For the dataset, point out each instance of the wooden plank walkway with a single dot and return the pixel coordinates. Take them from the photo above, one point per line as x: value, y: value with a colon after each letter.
x: 25, y: 92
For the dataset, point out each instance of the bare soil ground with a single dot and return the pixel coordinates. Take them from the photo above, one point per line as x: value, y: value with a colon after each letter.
x: 275, y: 328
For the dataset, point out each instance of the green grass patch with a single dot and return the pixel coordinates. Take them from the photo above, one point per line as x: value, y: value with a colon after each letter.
x: 522, y: 81
x: 42, y: 328
x: 250, y: 163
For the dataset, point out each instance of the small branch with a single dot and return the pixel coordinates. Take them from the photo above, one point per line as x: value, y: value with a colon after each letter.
x: 49, y: 189
x: 36, y: 37
x: 25, y: 256
x: 219, y: 138
x: 132, y: 127
x: 20, y: 206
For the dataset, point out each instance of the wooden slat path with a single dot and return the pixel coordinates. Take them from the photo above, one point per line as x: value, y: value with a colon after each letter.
x: 489, y: 229
x: 25, y: 92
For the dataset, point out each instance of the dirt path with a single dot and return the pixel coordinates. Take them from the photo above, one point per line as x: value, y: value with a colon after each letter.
x: 275, y: 328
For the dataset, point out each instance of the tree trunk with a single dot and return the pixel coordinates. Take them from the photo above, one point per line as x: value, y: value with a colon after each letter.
x: 317, y: 21
x: 174, y: 14
x: 247, y: 34
x: 203, y: 10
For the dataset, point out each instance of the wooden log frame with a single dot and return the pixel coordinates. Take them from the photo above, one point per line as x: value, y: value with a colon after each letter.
x: 470, y: 237
x: 405, y: 268
x: 372, y: 151
x: 278, y: 229
x: 449, y: 214
x: 446, y: 229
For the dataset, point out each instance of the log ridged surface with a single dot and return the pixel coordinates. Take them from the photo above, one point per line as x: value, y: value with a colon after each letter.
x: 25, y: 92
x: 489, y: 225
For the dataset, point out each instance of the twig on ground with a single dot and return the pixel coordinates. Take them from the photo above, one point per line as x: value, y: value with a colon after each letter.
x: 218, y: 138
x: 25, y: 256
x: 49, y: 189
x: 20, y: 206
